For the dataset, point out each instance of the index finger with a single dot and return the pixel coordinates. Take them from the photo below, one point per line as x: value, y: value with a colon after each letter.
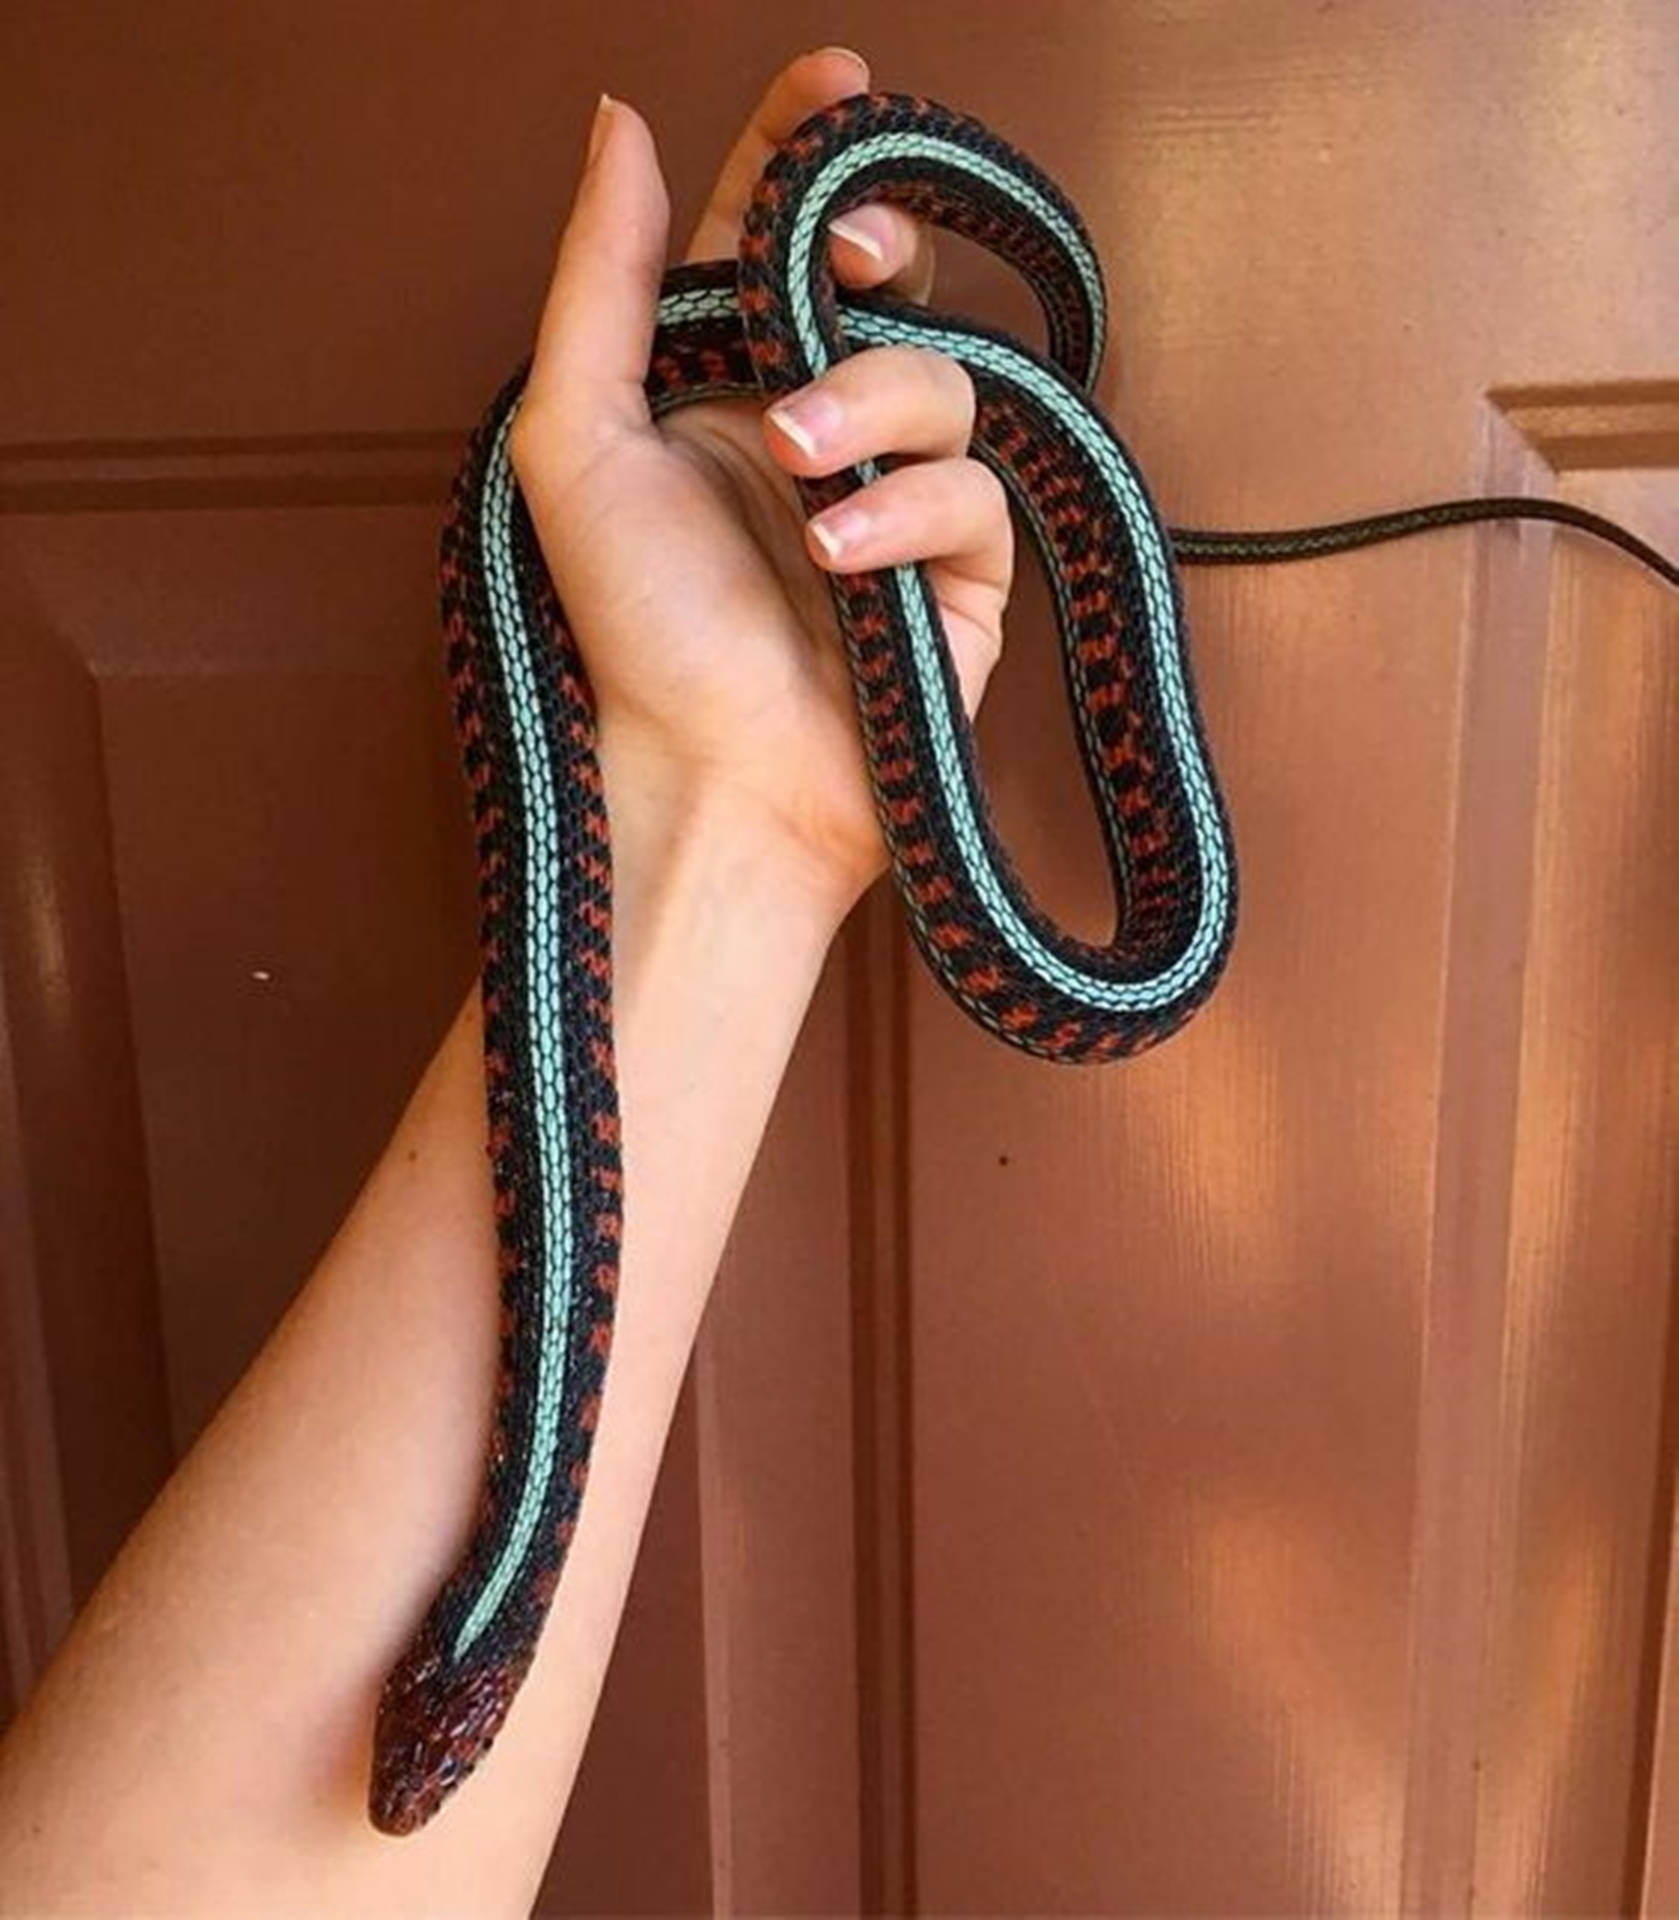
x: 904, y: 261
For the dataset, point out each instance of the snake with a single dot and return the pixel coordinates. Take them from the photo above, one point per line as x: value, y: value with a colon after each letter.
x: 764, y: 323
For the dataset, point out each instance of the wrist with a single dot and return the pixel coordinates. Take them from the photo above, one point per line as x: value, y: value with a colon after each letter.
x: 688, y: 846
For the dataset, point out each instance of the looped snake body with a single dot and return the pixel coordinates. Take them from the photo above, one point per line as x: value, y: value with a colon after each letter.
x: 763, y: 324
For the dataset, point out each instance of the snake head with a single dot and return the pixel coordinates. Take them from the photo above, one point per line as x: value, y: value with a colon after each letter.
x: 435, y: 1723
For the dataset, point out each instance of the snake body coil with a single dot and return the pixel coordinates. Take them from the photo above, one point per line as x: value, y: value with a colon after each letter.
x: 764, y: 324
x: 767, y: 324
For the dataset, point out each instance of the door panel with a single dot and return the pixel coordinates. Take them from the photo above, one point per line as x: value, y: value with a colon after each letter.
x: 1581, y: 1520
x: 1283, y: 1402
x: 1235, y: 1481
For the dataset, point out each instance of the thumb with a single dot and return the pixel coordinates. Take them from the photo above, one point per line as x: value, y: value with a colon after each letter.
x: 596, y: 333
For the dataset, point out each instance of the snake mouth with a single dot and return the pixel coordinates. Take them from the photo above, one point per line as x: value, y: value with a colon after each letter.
x: 434, y: 1725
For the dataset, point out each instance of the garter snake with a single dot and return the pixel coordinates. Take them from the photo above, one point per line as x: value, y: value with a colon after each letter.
x: 762, y: 324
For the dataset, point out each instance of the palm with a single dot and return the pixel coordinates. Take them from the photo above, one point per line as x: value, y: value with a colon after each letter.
x: 679, y: 547
x: 725, y: 654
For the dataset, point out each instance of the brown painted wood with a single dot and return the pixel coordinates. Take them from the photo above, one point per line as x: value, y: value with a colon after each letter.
x: 1584, y: 1459
x: 774, y: 1377
x: 1240, y: 1480
x: 82, y: 1380
x: 225, y: 452
x: 1241, y: 1487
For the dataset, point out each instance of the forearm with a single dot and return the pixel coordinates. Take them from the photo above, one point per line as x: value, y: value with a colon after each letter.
x: 201, y: 1742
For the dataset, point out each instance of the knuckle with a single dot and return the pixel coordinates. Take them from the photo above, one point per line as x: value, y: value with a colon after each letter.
x: 552, y: 446
x: 901, y: 382
x: 918, y: 369
x: 951, y: 380
x: 994, y: 496
x: 523, y: 443
x: 883, y: 369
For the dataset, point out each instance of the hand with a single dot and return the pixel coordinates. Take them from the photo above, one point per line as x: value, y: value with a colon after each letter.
x: 680, y: 550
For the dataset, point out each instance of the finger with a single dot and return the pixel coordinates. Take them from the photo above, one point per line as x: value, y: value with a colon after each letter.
x: 884, y: 247
x: 877, y: 245
x: 595, y: 337
x: 892, y: 399
x: 804, y: 85
x: 953, y: 511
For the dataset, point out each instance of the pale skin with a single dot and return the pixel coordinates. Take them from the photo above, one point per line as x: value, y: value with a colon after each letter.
x: 200, y: 1743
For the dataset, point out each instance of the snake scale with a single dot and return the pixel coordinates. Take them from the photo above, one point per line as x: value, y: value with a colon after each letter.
x: 766, y: 323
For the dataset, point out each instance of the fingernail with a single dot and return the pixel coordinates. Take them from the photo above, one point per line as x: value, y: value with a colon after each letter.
x: 850, y: 53
x: 858, y: 235
x: 597, y: 129
x: 808, y: 419
x: 839, y: 528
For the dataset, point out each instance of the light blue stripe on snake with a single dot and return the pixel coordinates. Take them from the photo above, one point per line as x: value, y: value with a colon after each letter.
x: 1102, y: 450
x: 536, y: 776
x: 543, y: 959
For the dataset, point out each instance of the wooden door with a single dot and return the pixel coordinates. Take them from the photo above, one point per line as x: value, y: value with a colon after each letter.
x: 1235, y: 1481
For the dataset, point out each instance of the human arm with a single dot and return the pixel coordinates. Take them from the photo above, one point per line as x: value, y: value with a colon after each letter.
x: 200, y: 1743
